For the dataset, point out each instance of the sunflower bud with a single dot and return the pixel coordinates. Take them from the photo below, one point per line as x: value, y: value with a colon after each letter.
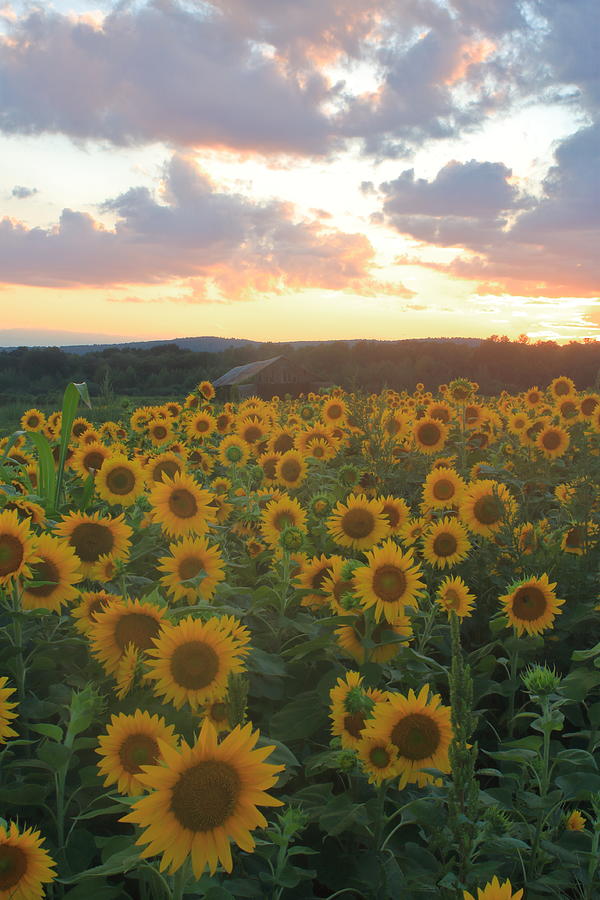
x: 540, y: 681
x: 291, y: 539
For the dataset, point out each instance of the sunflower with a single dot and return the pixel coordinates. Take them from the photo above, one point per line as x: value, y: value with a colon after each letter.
x: 495, y: 891
x: 413, y: 530
x: 201, y: 425
x: 396, y: 511
x: 552, y: 441
x: 453, y: 594
x: 389, y: 582
x: 531, y: 605
x: 191, y: 661
x: 24, y: 864
x: 588, y: 405
x: 281, y: 440
x: 312, y: 577
x: 89, y: 459
x: 57, y: 570
x: 130, y: 742
x: 419, y: 728
x: 334, y: 411
x: 106, y: 569
x: 307, y: 436
x: 561, y: 386
x: 279, y: 514
x: 318, y: 448
x: 160, y: 431
x: 290, y: 469
x: 120, y: 623
x: 90, y: 604
x: 575, y: 821
x: 440, y: 410
x: 224, y: 422
x: 203, y: 796
x: 351, y: 638
x: 190, y: 560
x: 233, y: 451
x: 17, y: 547
x: 182, y: 506
x: 93, y: 536
x: 6, y: 715
x: 207, y: 390
x: 442, y: 488
x: 126, y: 671
x: 359, y: 523
x: 33, y: 420
x: 378, y: 759
x: 120, y: 480
x: 430, y: 434
x: 351, y: 707
x: 446, y: 543
x: 485, y: 505
x: 251, y: 429
x: 527, y: 536
x: 217, y: 714
x: 579, y: 538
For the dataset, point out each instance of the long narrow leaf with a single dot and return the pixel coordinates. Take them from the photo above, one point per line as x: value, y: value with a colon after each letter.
x: 46, y: 486
x: 10, y: 444
x: 73, y: 393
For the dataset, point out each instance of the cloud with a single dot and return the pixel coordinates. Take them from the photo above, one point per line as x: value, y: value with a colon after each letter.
x: 21, y: 192
x: 225, y: 245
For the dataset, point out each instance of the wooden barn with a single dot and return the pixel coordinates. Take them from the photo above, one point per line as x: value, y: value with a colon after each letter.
x: 265, y: 378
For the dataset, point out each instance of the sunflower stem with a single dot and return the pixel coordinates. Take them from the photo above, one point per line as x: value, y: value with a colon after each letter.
x: 180, y: 880
x: 514, y: 668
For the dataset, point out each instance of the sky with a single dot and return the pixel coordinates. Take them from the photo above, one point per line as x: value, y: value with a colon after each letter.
x: 299, y: 169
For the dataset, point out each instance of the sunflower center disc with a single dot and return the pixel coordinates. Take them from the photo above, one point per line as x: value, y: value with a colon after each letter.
x: 138, y: 750
x: 575, y: 537
x: 190, y: 567
x: 182, y: 504
x: 429, y: 434
x: 252, y: 434
x: 451, y: 599
x: 358, y: 523
x: 354, y: 724
x: 11, y: 554
x: 168, y: 467
x: 218, y: 711
x: 392, y: 514
x: 283, y: 443
x: 44, y: 571
x: 13, y: 865
x: 290, y: 470
x: 136, y: 628
x: 389, y: 583
x: 91, y: 540
x: 319, y: 577
x: 443, y: 489
x: 551, y: 440
x: 379, y: 757
x: 120, y: 481
x: 283, y: 520
x: 269, y: 467
x: 160, y: 432
x: 205, y: 795
x: 529, y: 603
x: 488, y: 510
x: 416, y: 736
x: 194, y: 665
x: 93, y: 460
x: 444, y: 544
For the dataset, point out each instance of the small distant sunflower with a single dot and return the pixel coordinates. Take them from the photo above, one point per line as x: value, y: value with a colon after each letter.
x: 351, y: 707
x: 552, y: 441
x: 233, y: 451
x: 203, y: 796
x: 224, y: 422
x: 420, y: 729
x: 191, y: 558
x: 485, y: 506
x: 290, y: 469
x: 130, y: 742
x: 378, y: 759
x: 493, y: 890
x: 561, y: 386
x: 120, y: 480
x: 446, y: 543
x: 531, y: 605
x: 413, y: 530
x: 17, y: 547
x: 389, y: 582
x: 89, y: 459
x: 217, y: 714
x: 358, y: 523
x: 182, y: 506
x: 90, y: 604
x: 396, y: 511
x: 57, y: 567
x: 284, y: 512
x: 191, y: 661
x: 6, y: 716
x: 93, y: 536
x: 207, y: 390
x: 430, y: 435
x: 33, y: 420
x: 24, y: 864
x: 120, y: 623
x: 442, y: 488
x: 440, y: 410
x: 533, y: 397
x: 453, y: 594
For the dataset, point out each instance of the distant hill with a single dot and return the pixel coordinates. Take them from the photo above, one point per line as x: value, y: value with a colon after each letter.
x: 208, y: 344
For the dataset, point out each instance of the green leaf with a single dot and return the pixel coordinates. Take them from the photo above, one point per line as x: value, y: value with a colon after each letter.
x: 73, y: 393
x: 57, y: 756
x: 46, y: 486
x: 341, y: 813
x: 577, y: 757
x: 578, y: 785
x: 580, y: 655
x: 300, y: 718
x: 48, y: 730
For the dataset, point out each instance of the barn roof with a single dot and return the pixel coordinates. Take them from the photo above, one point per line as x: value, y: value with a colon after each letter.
x: 243, y: 373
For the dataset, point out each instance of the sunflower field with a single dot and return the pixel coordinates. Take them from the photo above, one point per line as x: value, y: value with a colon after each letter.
x: 334, y: 646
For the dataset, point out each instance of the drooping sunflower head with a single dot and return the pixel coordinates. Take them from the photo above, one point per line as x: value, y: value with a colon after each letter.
x: 531, y: 605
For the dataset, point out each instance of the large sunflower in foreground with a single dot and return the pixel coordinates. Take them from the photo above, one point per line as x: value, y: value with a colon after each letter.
x: 531, y: 605
x: 358, y: 523
x: 419, y: 728
x: 24, y: 864
x: 93, y: 536
x: 182, y: 506
x: 17, y: 547
x: 56, y: 570
x: 446, y: 543
x: 120, y: 480
x: 6, y: 711
x: 495, y: 891
x: 120, y: 623
x: 130, y: 742
x: 389, y: 582
x: 203, y: 796
x: 192, y: 558
x: 192, y: 661
x: 485, y: 506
